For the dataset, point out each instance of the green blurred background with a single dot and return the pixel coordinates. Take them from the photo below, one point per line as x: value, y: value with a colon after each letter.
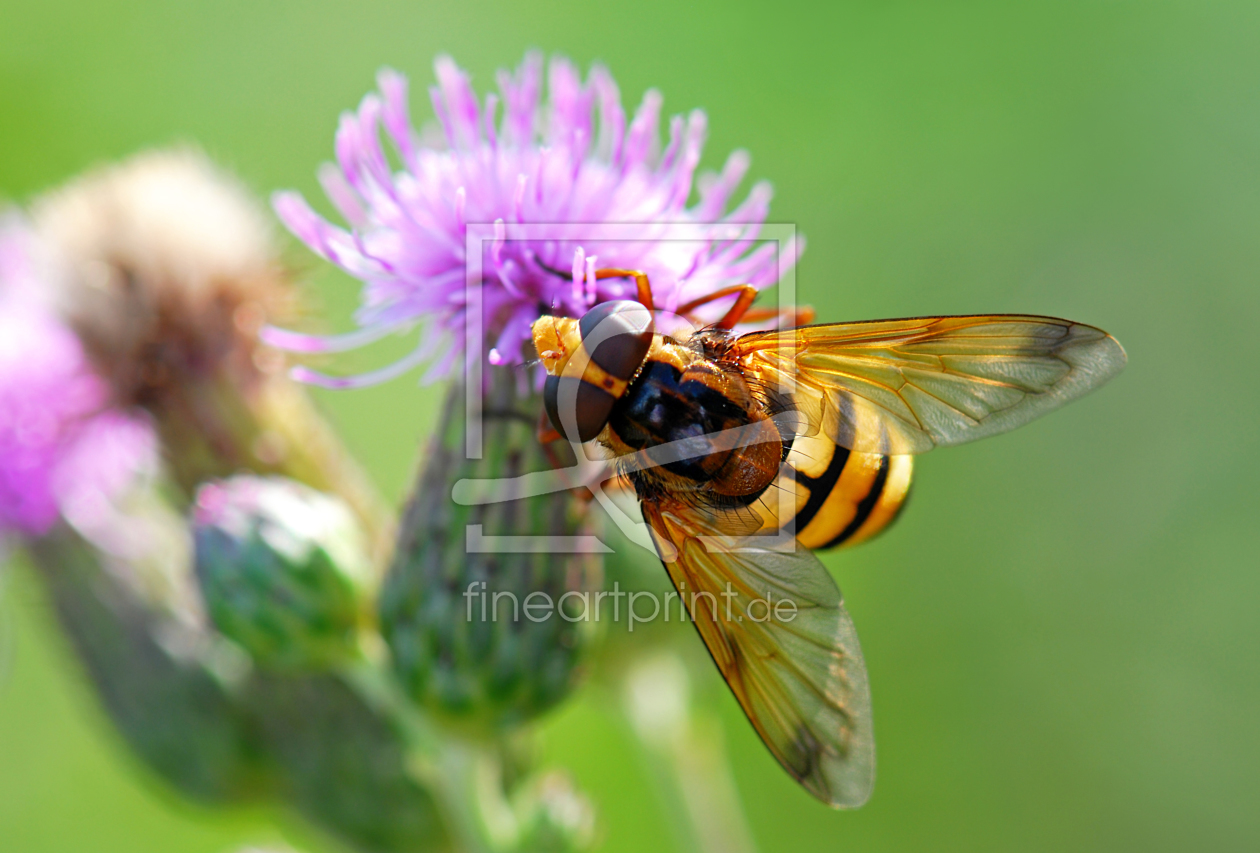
x: 1061, y: 632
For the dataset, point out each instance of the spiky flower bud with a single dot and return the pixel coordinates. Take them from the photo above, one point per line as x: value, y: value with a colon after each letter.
x: 476, y: 633
x: 283, y: 569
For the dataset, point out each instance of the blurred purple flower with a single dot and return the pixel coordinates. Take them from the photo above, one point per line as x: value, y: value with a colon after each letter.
x: 58, y: 447
x: 540, y: 164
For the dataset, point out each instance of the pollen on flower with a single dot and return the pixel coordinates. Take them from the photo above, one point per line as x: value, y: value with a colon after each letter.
x: 513, y: 158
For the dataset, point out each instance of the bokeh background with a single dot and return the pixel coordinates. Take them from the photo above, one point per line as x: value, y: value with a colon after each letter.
x: 1061, y: 632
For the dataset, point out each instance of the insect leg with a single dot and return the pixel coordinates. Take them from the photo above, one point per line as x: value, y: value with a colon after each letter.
x: 801, y: 316
x: 546, y: 432
x: 640, y: 281
x: 747, y: 293
x: 548, y: 435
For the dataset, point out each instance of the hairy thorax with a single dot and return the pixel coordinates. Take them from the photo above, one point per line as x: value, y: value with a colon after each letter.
x: 681, y: 405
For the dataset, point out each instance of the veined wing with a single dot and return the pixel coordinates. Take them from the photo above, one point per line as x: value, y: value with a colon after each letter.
x: 906, y: 386
x: 796, y: 669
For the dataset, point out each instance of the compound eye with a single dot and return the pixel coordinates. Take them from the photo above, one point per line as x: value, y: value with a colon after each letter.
x: 617, y: 335
x: 578, y: 410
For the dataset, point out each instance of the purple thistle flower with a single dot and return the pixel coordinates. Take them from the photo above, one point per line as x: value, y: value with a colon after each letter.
x: 578, y: 158
x: 60, y: 451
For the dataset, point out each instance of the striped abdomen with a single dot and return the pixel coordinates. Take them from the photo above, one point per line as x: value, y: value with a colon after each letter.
x: 825, y: 495
x: 830, y: 496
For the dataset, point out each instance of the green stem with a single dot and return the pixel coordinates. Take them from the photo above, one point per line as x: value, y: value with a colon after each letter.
x: 462, y: 777
x: 682, y: 746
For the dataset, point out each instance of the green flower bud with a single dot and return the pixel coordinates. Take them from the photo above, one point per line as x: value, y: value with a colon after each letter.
x: 349, y: 764
x: 283, y: 569
x: 464, y: 637
x: 553, y: 817
x: 167, y: 684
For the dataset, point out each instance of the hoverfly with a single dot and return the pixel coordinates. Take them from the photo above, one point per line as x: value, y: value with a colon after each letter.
x: 806, y: 434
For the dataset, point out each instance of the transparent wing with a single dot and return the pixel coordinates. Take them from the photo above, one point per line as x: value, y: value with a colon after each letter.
x: 906, y: 386
x: 795, y: 668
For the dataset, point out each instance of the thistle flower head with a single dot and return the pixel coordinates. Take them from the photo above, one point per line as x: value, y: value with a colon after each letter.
x: 165, y: 268
x: 60, y: 448
x: 513, y: 158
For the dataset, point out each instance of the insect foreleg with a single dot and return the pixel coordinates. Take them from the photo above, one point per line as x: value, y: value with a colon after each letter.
x: 644, y: 294
x: 747, y: 293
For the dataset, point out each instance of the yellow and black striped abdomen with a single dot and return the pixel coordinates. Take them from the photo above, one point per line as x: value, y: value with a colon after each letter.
x: 830, y: 496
